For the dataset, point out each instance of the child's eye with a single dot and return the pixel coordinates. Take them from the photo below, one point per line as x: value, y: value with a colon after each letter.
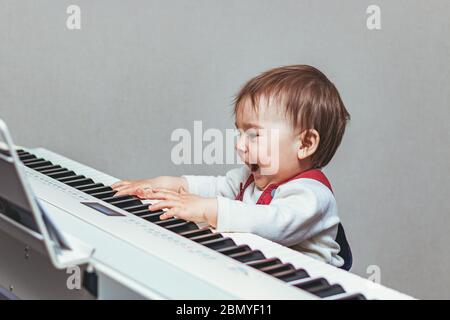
x: 253, y: 135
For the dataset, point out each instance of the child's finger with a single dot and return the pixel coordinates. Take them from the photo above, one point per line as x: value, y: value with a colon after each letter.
x: 131, y: 190
x: 125, y: 191
x: 168, y: 214
x: 147, y: 194
x: 120, y: 184
x: 121, y: 193
x: 162, y: 205
x: 167, y: 191
x: 125, y: 186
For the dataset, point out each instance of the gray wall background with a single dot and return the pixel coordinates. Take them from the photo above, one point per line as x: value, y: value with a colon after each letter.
x: 109, y: 95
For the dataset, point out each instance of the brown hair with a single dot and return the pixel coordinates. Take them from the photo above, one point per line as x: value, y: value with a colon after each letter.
x: 309, y: 99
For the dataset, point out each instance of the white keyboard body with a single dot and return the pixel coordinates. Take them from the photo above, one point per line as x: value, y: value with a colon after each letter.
x: 155, y: 263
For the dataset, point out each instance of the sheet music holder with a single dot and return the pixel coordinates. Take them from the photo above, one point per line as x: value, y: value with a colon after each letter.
x: 21, y: 213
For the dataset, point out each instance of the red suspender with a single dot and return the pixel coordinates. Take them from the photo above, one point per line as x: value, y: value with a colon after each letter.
x: 242, y: 189
x: 267, y: 195
x: 318, y: 175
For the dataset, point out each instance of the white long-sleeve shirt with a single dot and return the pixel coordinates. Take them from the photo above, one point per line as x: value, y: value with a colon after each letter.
x: 302, y: 215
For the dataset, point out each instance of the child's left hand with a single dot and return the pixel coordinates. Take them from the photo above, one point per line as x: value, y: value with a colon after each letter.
x: 181, y: 204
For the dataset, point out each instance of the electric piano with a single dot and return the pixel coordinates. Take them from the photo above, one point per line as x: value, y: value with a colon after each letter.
x: 137, y: 255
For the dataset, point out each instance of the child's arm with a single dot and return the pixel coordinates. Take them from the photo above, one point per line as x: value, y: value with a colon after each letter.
x: 300, y: 210
x: 211, y: 186
x: 206, y: 186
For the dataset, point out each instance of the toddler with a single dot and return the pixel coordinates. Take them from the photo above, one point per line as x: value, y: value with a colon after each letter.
x: 291, y: 121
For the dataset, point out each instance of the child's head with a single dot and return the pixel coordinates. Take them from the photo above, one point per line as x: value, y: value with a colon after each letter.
x: 293, y: 119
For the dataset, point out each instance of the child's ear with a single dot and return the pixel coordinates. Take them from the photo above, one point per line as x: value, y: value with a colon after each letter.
x: 309, y: 142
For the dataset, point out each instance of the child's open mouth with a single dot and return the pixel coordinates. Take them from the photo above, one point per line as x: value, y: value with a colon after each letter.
x: 254, y: 167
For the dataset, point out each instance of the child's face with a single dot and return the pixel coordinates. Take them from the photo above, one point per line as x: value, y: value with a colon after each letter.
x: 267, y: 142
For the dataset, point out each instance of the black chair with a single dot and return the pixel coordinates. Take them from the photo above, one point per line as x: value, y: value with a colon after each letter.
x: 346, y: 252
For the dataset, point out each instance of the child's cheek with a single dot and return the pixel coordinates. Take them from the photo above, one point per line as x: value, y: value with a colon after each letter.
x: 253, y: 152
x: 264, y: 152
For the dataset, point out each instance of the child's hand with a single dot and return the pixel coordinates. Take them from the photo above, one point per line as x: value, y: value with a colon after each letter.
x: 129, y: 187
x: 181, y: 204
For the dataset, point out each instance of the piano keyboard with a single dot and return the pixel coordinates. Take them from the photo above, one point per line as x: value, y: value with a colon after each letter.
x: 294, y: 269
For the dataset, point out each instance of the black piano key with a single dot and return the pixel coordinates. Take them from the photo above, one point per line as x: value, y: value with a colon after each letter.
x: 152, y: 216
x: 21, y: 151
x: 25, y: 154
x: 277, y: 268
x: 54, y: 171
x: 195, y: 233
x: 134, y: 201
x: 90, y: 186
x: 292, y: 275
x: 248, y: 256
x: 356, y: 296
x: 47, y: 168
x: 39, y: 164
x: 220, y: 243
x: 94, y: 190
x: 71, y: 178
x: 143, y: 213
x: 183, y: 226
x: 104, y: 194
x: 124, y: 202
x: 119, y: 198
x: 33, y: 160
x: 313, y: 284
x: 332, y: 290
x: 168, y: 222
x: 61, y: 174
x: 80, y: 182
x: 136, y: 208
x: 264, y: 263
x: 235, y: 249
x: 206, y: 237
x: 24, y: 157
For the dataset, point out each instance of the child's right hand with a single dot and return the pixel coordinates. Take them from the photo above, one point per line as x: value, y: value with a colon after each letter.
x: 130, y: 187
